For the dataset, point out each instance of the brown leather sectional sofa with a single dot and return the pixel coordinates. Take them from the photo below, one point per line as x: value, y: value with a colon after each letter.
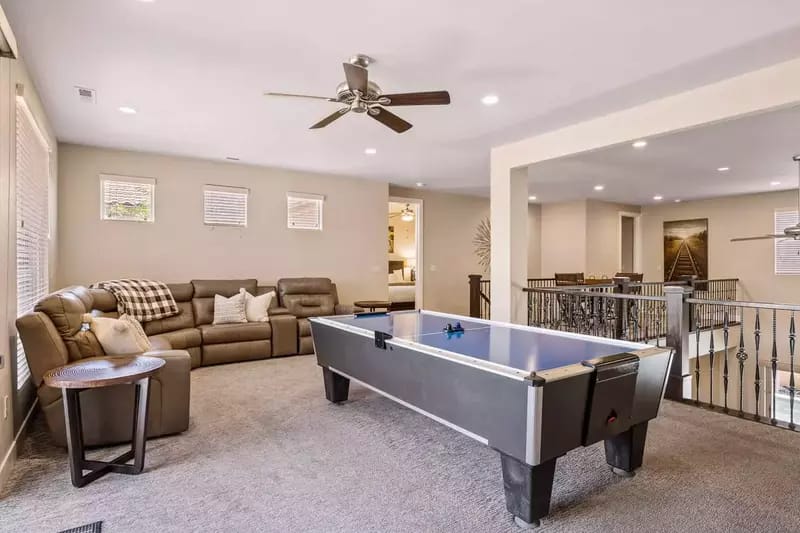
x: 54, y: 335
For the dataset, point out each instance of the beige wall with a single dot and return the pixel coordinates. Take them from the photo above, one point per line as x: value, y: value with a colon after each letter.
x: 563, y: 239
x: 736, y: 216
x: 603, y: 237
x: 13, y: 73
x: 534, y: 241
x: 351, y: 249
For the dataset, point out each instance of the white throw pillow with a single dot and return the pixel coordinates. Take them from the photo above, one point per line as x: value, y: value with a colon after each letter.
x: 255, y: 307
x: 119, y: 336
x: 229, y: 310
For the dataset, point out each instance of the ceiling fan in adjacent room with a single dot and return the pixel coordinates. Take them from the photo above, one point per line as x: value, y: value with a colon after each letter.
x: 360, y: 95
x: 406, y: 214
x: 792, y: 232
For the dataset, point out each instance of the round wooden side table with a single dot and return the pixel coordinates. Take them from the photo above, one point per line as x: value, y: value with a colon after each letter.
x: 104, y: 372
x: 372, y: 304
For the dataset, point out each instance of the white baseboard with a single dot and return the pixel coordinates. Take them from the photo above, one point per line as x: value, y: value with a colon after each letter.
x: 11, y: 455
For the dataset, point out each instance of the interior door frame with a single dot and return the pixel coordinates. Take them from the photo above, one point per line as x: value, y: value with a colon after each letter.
x: 418, y: 234
x: 637, y: 239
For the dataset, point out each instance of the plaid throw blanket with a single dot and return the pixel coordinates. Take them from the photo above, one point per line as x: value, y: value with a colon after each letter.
x: 143, y: 299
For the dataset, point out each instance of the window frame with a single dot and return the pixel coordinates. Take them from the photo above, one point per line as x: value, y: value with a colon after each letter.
x: 318, y: 198
x: 227, y: 189
x: 780, y: 242
x: 128, y: 179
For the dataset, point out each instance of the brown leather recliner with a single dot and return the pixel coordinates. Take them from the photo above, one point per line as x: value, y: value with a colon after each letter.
x: 54, y: 335
x: 308, y: 297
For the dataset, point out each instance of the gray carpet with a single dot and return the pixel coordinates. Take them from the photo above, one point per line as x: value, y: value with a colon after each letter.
x: 267, y: 452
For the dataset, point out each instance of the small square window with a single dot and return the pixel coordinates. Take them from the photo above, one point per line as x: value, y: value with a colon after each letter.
x: 126, y: 198
x: 787, y: 251
x: 225, y: 206
x: 304, y: 211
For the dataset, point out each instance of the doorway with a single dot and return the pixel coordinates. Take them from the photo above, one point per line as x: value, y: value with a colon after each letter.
x: 404, y: 253
x: 629, y: 242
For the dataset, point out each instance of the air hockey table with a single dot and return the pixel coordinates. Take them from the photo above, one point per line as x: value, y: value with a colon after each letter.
x: 531, y: 394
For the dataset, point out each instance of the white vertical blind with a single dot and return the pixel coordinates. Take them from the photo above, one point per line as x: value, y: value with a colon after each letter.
x: 127, y: 198
x: 304, y: 210
x: 787, y: 251
x: 33, y: 228
x: 225, y: 206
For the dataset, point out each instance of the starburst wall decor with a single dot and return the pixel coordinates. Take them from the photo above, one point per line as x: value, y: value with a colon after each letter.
x: 483, y: 243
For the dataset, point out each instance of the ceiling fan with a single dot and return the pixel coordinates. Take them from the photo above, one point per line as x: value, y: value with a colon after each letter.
x: 360, y: 95
x: 792, y: 232
x: 406, y: 214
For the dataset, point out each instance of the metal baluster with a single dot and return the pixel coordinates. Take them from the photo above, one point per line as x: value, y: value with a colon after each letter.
x: 757, y: 337
x: 725, y: 365
x: 697, y: 355
x: 774, y: 361
x: 741, y: 355
x: 711, y: 353
x: 791, y: 371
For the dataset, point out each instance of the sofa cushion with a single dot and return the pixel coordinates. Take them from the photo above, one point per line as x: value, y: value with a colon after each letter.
x: 303, y: 327
x: 207, y: 288
x: 181, y: 339
x: 305, y: 297
x: 184, y: 319
x: 181, y: 292
x: 103, y: 300
x: 226, y: 333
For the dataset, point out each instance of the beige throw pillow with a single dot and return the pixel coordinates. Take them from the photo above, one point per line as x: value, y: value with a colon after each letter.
x: 229, y: 310
x: 119, y: 336
x: 255, y: 307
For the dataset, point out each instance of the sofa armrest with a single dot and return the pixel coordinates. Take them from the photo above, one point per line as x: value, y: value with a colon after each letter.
x: 277, y: 311
x: 175, y: 389
x: 284, y: 334
x: 342, y: 309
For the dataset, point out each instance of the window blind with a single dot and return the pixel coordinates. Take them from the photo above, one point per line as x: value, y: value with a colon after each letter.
x: 225, y: 206
x: 126, y: 198
x: 304, y: 210
x: 787, y: 251
x: 32, y: 167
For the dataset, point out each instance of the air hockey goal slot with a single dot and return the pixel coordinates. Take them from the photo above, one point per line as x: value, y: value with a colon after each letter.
x: 611, y: 397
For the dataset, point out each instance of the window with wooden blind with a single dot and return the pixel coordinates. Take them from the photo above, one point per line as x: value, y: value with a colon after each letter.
x: 225, y: 206
x: 127, y: 198
x: 304, y: 210
x: 32, y: 171
x: 787, y: 251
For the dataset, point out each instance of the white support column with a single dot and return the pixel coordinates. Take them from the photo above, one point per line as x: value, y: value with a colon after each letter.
x: 509, y: 268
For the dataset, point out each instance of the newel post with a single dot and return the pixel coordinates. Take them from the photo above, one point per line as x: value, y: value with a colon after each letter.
x: 679, y: 380
x: 475, y: 295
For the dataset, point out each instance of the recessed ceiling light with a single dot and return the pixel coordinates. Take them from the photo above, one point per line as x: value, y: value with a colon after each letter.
x: 420, y: 184
x: 640, y: 144
x: 599, y: 187
x: 232, y: 158
x: 127, y: 110
x: 774, y: 183
x: 677, y: 200
x: 658, y: 197
x: 531, y: 198
x: 370, y: 151
x: 723, y: 169
x: 490, y: 99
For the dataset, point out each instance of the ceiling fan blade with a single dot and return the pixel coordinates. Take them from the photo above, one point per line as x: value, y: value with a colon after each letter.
x: 423, y: 98
x: 387, y: 118
x: 301, y: 96
x: 357, y: 77
x: 330, y: 118
x: 760, y: 237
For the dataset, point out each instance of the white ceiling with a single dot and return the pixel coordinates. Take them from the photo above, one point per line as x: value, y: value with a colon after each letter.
x: 757, y: 149
x: 195, y: 70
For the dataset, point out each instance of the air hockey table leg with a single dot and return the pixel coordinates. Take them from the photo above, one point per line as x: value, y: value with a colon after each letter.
x: 624, y: 452
x: 528, y: 489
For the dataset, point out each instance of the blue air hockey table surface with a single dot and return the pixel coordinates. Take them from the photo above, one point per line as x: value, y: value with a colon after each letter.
x: 532, y: 394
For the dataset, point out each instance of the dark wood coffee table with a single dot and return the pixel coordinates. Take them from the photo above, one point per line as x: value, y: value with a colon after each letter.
x: 104, y: 372
x: 372, y: 304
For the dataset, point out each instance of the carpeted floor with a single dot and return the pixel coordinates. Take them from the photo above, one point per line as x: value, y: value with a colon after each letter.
x: 267, y: 452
